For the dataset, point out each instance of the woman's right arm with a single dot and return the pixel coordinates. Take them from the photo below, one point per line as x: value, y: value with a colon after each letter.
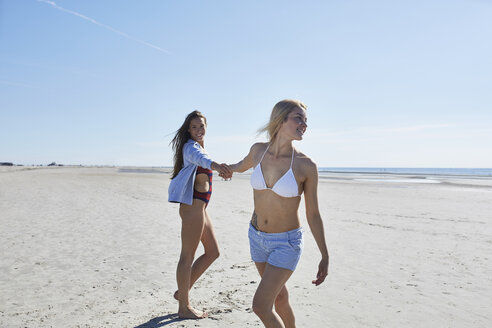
x: 247, y: 162
x: 195, y: 154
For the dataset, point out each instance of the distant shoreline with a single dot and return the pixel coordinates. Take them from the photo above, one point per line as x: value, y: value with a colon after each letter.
x: 455, y: 172
x: 324, y: 172
x: 400, y: 171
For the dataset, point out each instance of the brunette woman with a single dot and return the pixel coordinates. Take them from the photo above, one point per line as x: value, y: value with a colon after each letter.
x: 191, y: 186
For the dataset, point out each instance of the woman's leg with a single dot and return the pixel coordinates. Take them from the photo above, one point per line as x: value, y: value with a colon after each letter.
x: 211, y: 248
x: 282, y: 305
x: 272, y: 290
x: 283, y: 308
x: 192, y: 223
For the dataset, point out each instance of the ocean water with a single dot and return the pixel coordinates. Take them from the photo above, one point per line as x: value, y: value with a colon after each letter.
x: 487, y: 172
x: 472, y: 172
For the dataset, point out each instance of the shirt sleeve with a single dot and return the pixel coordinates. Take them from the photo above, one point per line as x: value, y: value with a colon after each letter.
x: 197, y: 155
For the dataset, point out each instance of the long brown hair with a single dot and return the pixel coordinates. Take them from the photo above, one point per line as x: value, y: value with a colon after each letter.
x: 280, y: 112
x: 179, y: 140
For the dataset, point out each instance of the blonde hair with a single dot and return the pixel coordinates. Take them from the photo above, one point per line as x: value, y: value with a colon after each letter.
x: 280, y: 112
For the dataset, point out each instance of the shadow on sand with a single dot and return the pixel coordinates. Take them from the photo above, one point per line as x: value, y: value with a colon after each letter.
x: 161, y: 321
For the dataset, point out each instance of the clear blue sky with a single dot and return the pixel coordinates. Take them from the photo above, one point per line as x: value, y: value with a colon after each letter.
x: 387, y: 83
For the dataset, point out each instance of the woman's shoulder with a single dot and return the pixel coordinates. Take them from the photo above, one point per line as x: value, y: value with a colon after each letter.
x: 192, y: 148
x: 258, y: 147
x: 305, y: 162
x: 256, y: 150
x: 191, y: 144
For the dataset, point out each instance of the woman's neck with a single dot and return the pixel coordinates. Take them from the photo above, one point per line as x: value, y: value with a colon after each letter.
x: 280, y: 147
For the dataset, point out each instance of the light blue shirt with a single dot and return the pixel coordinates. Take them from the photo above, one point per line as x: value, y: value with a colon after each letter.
x: 181, y: 187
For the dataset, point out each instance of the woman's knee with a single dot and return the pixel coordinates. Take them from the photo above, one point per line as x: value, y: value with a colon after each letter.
x: 211, y: 247
x: 260, y: 308
x: 282, y: 298
x: 186, y: 259
x: 213, y: 254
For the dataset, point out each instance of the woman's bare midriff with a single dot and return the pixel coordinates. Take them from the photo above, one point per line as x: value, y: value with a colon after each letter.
x: 275, y: 213
x: 201, y: 183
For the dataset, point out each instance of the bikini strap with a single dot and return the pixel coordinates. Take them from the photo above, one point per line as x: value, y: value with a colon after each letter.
x: 292, y: 159
x: 264, y: 153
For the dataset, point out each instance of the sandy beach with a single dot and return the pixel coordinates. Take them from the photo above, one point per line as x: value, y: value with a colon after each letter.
x: 98, y: 247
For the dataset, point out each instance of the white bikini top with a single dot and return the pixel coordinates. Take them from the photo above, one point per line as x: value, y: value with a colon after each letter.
x: 286, y: 186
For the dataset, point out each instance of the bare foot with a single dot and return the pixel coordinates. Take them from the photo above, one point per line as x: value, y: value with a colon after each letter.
x: 191, y: 313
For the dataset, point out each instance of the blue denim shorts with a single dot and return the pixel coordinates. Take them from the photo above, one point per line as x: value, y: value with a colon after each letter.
x: 278, y: 249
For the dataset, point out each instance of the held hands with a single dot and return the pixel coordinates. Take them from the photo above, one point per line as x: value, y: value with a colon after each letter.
x: 322, y: 271
x: 224, y: 171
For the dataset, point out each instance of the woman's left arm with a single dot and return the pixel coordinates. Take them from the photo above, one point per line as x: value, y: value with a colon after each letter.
x: 314, y: 219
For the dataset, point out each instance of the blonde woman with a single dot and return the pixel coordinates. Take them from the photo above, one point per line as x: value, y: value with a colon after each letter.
x: 281, y: 174
x: 191, y: 186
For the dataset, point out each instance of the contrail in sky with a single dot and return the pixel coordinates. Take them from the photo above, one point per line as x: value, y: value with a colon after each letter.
x: 123, y: 34
x: 15, y: 84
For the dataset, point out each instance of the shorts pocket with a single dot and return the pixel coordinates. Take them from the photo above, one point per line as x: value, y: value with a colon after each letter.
x: 296, y: 244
